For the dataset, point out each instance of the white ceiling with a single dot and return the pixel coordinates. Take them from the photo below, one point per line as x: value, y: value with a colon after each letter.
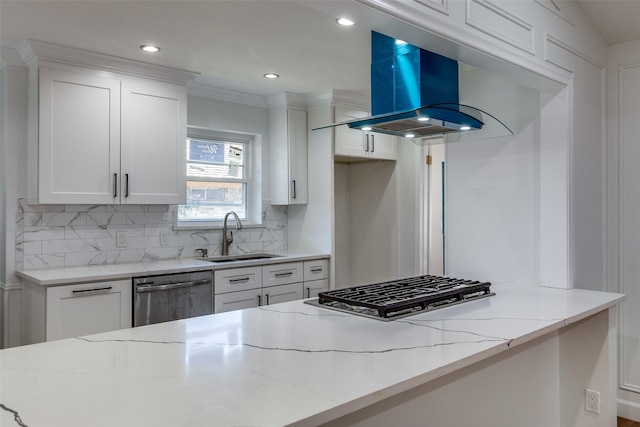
x: 618, y: 21
x: 233, y: 43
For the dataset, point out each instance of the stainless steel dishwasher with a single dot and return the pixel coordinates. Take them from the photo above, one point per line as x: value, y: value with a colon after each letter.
x: 172, y: 297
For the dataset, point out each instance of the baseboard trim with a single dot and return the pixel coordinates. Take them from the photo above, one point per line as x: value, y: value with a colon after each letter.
x: 629, y: 410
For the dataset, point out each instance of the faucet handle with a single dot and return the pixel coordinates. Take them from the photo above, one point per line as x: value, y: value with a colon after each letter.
x: 203, y: 252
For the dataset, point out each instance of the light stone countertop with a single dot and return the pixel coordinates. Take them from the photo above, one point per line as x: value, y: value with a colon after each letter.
x: 101, y: 272
x: 287, y: 364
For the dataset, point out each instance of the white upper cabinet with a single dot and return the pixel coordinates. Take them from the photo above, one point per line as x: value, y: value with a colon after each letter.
x: 104, y: 137
x: 356, y: 143
x: 288, y: 143
x: 78, y: 149
x: 154, y: 134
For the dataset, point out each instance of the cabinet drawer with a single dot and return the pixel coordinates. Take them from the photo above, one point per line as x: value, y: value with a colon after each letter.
x: 316, y: 269
x: 281, y: 274
x: 237, y: 279
x: 312, y: 288
x: 281, y: 293
x: 236, y: 300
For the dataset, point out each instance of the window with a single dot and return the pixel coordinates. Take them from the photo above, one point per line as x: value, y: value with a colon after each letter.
x: 218, y: 181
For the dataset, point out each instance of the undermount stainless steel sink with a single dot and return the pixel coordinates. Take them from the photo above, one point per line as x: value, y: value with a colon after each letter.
x: 241, y: 257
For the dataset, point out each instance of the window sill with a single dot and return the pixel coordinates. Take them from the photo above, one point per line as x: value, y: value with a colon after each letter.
x: 215, y: 226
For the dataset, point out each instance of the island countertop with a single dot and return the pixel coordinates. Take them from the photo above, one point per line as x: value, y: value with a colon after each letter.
x: 287, y: 364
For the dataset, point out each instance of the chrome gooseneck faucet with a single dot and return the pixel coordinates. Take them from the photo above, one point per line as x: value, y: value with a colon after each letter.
x: 227, y: 236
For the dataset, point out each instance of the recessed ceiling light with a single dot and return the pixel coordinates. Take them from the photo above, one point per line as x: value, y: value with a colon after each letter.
x: 150, y: 48
x: 410, y: 135
x: 271, y: 76
x: 465, y: 128
x: 345, y: 22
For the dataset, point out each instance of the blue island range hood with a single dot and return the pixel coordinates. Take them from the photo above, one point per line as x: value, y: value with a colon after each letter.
x: 415, y: 93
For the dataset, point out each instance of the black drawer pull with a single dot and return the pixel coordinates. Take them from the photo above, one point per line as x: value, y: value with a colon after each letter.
x: 84, y: 291
x: 240, y: 280
x: 287, y: 274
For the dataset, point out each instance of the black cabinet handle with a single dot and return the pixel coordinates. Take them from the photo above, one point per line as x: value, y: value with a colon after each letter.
x: 115, y: 185
x: 294, y: 189
x: 84, y: 291
x: 126, y: 191
x: 241, y: 280
x: 287, y: 274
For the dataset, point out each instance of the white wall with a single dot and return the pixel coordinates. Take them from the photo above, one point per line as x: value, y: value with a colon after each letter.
x: 408, y: 210
x: 493, y: 187
x: 623, y: 213
x: 3, y: 195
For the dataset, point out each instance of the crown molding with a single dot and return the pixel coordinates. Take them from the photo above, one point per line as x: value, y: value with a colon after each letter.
x: 36, y: 53
x: 220, y: 94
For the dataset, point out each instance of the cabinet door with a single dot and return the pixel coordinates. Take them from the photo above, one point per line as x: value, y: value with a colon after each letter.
x: 349, y: 142
x: 282, y: 293
x: 236, y: 300
x: 312, y: 288
x: 79, y: 137
x: 85, y: 309
x: 154, y: 134
x: 382, y: 146
x: 297, y: 123
x: 288, y: 143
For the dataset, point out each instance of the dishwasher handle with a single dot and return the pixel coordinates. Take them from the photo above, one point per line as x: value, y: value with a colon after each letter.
x: 156, y: 288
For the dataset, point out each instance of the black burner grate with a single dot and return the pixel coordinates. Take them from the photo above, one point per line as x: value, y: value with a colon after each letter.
x: 388, y: 299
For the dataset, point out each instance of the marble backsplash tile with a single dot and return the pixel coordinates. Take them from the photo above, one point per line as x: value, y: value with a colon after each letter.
x: 75, y: 235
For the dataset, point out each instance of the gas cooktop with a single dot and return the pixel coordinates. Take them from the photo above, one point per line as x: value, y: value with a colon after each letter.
x: 401, y: 298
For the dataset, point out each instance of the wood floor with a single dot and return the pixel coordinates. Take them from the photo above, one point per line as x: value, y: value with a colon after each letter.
x: 627, y: 423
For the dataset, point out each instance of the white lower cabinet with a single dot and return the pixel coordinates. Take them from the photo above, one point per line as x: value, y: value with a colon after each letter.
x: 248, y: 287
x: 316, y: 277
x: 231, y: 301
x: 282, y: 274
x: 75, y: 310
x: 314, y: 287
x: 282, y: 293
x: 237, y: 279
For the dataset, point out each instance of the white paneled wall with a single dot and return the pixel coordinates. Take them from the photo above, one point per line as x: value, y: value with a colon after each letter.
x: 72, y: 235
x: 624, y: 215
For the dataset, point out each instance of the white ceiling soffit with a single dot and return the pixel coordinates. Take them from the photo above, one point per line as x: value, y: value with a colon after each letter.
x: 618, y: 21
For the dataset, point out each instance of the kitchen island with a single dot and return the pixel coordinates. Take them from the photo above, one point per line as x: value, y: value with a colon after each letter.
x: 522, y: 357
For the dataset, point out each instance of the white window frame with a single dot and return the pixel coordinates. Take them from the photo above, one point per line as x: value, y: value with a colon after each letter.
x: 252, y: 170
